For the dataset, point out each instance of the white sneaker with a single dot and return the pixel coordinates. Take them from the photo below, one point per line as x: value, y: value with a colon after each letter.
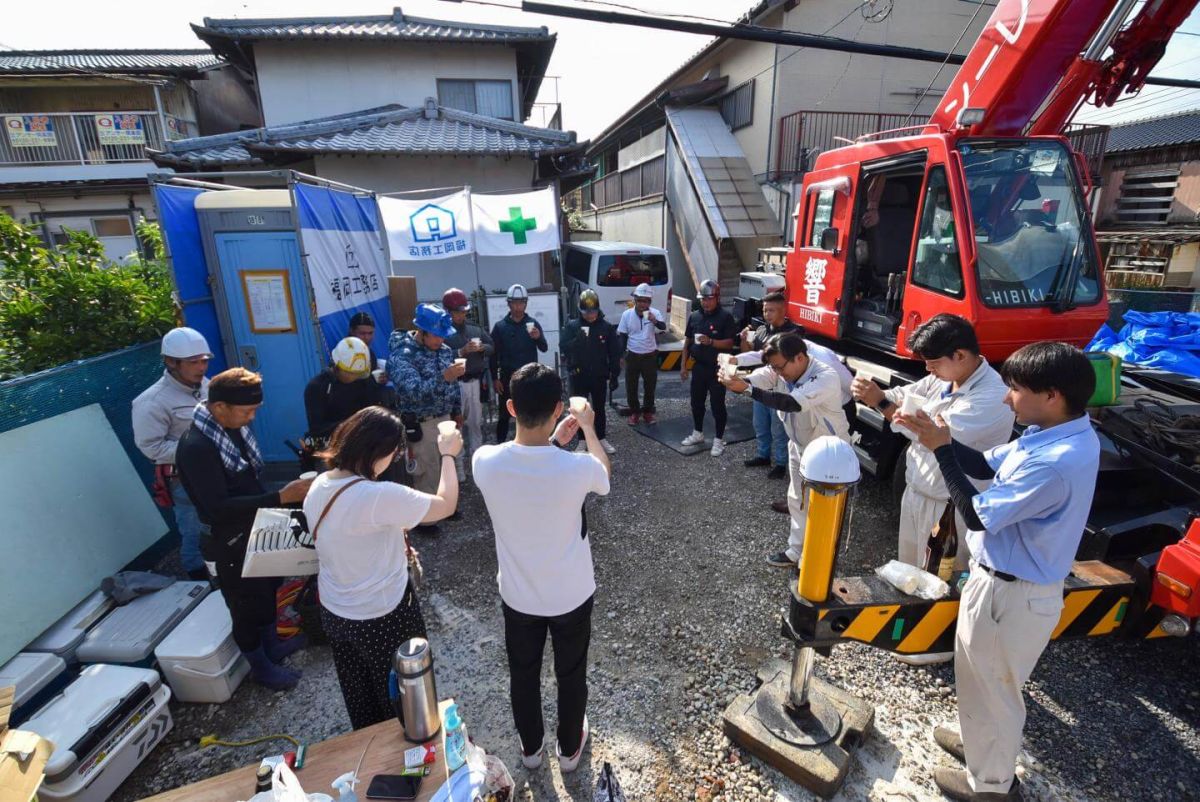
x: 718, y: 447
x: 582, y: 447
x: 608, y: 447
x: 693, y: 439
x: 533, y: 761
x: 569, y: 764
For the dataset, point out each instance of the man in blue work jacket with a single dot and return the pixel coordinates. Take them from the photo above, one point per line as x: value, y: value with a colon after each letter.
x: 425, y: 374
x: 1023, y: 533
x: 517, y: 339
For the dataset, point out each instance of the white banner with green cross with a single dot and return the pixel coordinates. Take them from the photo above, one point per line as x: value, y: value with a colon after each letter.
x: 515, y: 224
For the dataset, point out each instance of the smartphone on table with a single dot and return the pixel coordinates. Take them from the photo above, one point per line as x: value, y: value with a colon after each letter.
x: 393, y: 786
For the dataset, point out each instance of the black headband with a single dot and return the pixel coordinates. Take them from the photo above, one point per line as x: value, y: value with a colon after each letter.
x: 238, y: 395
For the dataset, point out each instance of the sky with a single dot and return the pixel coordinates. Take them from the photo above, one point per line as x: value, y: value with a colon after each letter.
x: 601, y: 70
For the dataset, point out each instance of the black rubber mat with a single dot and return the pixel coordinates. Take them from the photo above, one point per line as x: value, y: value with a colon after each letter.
x: 671, y: 431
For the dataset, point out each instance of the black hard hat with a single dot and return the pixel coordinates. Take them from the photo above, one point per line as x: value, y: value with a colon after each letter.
x: 589, y: 301
x: 708, y: 289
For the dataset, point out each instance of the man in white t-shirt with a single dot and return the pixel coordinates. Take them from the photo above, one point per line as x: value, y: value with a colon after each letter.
x: 535, y: 493
x: 640, y: 325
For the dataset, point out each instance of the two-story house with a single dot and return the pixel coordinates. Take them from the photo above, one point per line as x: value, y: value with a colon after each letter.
x: 77, y: 124
x: 1148, y: 221
x: 392, y: 104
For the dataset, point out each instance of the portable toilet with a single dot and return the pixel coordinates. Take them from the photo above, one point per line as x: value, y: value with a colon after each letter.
x: 264, y: 304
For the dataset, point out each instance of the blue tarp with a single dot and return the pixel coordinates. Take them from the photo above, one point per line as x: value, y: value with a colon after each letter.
x: 1164, y: 340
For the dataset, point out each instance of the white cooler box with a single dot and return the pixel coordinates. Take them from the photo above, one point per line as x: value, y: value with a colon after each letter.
x: 129, y: 633
x: 65, y: 636
x: 36, y: 676
x: 199, y: 658
x: 102, y: 726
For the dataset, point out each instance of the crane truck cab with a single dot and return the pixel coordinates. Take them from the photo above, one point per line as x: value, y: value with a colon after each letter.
x: 891, y: 231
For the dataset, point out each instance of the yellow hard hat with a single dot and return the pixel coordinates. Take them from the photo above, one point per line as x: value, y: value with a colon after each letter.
x: 352, y: 356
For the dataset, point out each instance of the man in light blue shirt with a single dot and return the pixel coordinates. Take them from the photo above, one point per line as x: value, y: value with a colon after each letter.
x: 1023, y: 533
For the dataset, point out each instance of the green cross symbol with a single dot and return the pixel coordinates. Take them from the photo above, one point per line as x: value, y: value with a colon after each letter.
x: 517, y: 224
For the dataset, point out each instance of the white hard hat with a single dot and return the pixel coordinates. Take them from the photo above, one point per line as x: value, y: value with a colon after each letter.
x: 184, y: 343
x: 352, y: 356
x: 517, y: 293
x: 643, y: 291
x: 830, y: 460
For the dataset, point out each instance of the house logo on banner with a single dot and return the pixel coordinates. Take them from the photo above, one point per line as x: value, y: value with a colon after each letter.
x: 428, y: 229
x: 465, y: 222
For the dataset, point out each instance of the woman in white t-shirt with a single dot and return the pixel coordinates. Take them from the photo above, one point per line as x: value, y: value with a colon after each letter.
x: 368, y: 605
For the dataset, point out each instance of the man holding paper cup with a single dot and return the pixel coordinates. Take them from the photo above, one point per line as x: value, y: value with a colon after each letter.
x: 962, y: 390
x: 425, y: 373
x: 518, y: 338
x: 592, y: 351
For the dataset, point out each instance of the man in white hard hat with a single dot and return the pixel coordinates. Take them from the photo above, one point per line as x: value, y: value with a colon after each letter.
x: 517, y: 339
x: 342, y: 389
x: 161, y: 414
x: 640, y: 325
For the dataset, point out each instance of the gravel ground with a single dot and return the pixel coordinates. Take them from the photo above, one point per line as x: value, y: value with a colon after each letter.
x: 685, y: 612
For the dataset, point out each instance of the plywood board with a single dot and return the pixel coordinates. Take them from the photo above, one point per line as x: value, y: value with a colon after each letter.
x: 402, y: 293
x: 74, y: 512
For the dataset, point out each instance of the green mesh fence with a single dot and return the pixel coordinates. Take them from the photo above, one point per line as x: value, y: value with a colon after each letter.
x: 112, y: 381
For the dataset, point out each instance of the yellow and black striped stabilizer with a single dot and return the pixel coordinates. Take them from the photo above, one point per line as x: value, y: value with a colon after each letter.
x: 1098, y: 599
x: 669, y: 360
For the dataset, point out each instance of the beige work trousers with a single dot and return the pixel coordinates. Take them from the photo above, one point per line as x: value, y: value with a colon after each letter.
x: 795, y: 502
x: 918, y: 515
x: 1003, y: 628
x: 429, y: 459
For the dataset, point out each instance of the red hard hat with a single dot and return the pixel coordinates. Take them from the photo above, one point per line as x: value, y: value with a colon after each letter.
x: 455, y: 300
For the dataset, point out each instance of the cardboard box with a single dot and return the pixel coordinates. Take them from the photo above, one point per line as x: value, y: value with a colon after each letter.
x: 23, y: 756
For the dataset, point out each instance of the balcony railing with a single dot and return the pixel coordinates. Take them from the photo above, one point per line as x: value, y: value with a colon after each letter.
x: 91, y: 138
x: 806, y: 133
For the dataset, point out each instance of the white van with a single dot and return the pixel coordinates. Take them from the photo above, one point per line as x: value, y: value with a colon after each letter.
x: 613, y: 269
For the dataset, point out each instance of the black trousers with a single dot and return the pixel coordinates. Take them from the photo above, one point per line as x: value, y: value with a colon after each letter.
x: 525, y: 640
x: 705, y: 385
x: 645, y: 367
x: 594, y: 389
x: 251, y: 602
x: 362, y: 656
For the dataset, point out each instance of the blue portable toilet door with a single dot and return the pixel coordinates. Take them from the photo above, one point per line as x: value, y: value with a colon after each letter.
x: 273, y: 334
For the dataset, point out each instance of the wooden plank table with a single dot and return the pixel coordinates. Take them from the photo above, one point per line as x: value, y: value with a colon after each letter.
x: 324, y: 762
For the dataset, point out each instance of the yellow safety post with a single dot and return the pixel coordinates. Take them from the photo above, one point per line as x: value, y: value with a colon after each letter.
x: 829, y: 468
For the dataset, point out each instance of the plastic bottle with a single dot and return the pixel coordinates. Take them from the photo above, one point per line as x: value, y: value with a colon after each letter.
x: 456, y: 739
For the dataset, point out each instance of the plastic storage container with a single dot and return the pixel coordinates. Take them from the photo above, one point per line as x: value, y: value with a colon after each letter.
x: 1108, y: 378
x: 65, y: 636
x: 129, y: 634
x: 37, y: 676
x: 199, y: 658
x: 102, y: 726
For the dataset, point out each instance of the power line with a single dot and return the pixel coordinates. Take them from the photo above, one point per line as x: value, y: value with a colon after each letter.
x: 933, y: 80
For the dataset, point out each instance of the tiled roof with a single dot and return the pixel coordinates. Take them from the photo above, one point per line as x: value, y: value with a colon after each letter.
x: 388, y: 130
x: 393, y: 26
x: 155, y: 62
x: 1158, y: 132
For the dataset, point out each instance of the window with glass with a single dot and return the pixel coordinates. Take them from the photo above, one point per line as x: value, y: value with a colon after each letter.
x: 1029, y: 224
x: 937, y: 265
x: 630, y: 270
x: 488, y: 98
x: 822, y: 215
x: 578, y: 266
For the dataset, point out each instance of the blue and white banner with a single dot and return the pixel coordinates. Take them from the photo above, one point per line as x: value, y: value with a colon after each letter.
x: 433, y: 228
x: 347, y: 261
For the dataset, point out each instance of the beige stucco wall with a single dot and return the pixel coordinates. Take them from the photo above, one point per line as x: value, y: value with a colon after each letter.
x: 1186, y: 207
x: 1184, y: 268
x: 640, y: 222
x: 305, y: 80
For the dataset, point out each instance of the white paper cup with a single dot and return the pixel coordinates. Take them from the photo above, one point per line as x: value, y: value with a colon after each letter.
x: 577, y: 403
x: 461, y: 361
x: 586, y: 330
x: 308, y: 475
x: 447, y: 427
x: 475, y: 341
x: 530, y: 326
x: 378, y: 374
x: 698, y: 336
x: 381, y: 364
x: 911, y: 403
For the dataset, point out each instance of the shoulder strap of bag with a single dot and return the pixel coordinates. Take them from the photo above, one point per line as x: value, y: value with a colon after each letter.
x: 329, y: 504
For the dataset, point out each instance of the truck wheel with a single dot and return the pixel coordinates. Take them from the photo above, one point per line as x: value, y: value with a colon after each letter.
x: 898, y: 482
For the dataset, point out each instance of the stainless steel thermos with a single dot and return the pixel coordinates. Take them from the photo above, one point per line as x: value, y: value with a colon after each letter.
x: 413, y: 690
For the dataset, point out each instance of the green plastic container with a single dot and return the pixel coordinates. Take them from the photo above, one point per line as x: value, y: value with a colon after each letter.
x: 1108, y: 378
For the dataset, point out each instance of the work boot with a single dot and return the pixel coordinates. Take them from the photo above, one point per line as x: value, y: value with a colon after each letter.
x: 278, y: 650
x: 608, y: 447
x: 756, y: 462
x: 268, y: 674
x: 781, y: 559
x: 778, y: 472
x: 781, y: 506
x: 953, y: 783
x: 633, y: 419
x: 649, y: 419
x: 949, y: 739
